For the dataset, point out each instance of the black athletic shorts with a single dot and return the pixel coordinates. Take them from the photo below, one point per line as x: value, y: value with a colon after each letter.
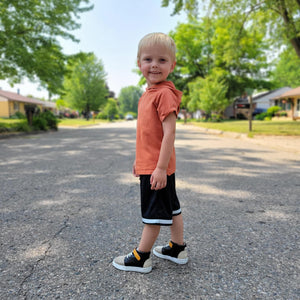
x: 158, y: 207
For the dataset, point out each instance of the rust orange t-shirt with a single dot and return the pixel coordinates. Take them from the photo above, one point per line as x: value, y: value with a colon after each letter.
x: 154, y: 106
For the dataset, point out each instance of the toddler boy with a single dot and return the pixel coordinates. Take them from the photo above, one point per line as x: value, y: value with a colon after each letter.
x: 155, y: 161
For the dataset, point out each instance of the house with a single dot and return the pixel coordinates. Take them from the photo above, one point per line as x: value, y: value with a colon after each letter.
x: 265, y: 100
x: 290, y: 102
x: 10, y: 103
x: 262, y: 101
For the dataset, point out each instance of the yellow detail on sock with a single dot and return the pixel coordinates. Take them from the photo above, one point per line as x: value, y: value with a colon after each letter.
x: 171, y: 244
x: 136, y: 255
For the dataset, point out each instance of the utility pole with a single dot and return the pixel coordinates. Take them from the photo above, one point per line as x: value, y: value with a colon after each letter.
x: 250, y: 113
x: 249, y: 92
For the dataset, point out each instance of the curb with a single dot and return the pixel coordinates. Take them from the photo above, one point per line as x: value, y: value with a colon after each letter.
x: 20, y: 134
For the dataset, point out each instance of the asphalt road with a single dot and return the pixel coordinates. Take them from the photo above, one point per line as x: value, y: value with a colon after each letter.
x: 69, y: 205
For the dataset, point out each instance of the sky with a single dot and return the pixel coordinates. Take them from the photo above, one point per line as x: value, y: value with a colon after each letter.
x: 112, y: 30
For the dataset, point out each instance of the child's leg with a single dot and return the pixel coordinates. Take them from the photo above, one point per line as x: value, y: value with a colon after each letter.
x: 175, y: 250
x: 177, y: 230
x: 149, y: 236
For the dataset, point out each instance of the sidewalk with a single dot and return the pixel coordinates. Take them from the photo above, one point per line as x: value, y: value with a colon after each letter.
x: 284, y: 143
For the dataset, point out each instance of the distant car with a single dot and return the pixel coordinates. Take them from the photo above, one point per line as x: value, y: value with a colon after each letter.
x: 129, y: 117
x: 258, y: 111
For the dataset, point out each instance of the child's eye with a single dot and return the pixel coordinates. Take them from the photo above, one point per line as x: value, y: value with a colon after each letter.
x: 147, y: 59
x: 163, y: 60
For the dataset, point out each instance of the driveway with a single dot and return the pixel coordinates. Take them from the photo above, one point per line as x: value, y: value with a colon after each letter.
x: 69, y: 205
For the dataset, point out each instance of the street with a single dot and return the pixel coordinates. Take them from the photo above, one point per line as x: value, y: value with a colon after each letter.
x: 69, y: 204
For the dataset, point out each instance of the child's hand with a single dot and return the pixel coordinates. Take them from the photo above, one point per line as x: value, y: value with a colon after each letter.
x: 133, y: 170
x: 158, y: 179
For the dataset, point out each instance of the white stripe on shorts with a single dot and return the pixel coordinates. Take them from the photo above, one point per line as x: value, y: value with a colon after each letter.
x: 176, y: 212
x: 157, y: 221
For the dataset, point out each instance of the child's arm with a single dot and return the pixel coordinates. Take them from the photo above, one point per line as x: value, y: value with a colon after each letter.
x: 158, y: 179
x: 133, y: 170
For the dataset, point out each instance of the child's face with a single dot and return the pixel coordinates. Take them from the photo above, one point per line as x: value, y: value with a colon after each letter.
x: 156, y: 64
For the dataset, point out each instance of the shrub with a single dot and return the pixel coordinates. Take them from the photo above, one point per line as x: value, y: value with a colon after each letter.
x: 18, y: 115
x: 3, y: 128
x: 51, y: 120
x: 22, y: 126
x: 216, y: 118
x: 102, y: 116
x: 283, y: 114
x: 261, y: 116
x: 39, y: 123
x: 271, y: 111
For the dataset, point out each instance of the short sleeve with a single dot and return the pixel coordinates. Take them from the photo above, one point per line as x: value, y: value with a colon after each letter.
x: 167, y: 102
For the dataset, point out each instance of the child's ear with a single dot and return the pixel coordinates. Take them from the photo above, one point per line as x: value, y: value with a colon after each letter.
x: 139, y: 64
x: 173, y: 66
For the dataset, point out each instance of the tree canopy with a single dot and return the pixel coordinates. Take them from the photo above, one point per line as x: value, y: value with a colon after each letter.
x: 277, y: 19
x: 111, y: 108
x: 287, y: 69
x: 209, y: 94
x: 28, y: 39
x: 129, y: 97
x: 240, y: 38
x: 85, y: 87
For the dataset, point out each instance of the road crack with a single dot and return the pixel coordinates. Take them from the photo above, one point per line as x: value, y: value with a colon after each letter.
x: 33, y: 266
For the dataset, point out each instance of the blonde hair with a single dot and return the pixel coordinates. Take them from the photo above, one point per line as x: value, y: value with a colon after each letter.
x: 157, y: 38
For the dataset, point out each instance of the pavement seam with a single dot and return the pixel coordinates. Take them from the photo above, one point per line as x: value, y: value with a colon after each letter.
x: 21, y: 291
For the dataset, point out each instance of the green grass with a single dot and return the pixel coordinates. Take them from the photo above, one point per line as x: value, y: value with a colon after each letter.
x: 274, y: 127
x: 5, y: 121
x: 258, y: 127
x: 8, y: 124
x: 80, y: 122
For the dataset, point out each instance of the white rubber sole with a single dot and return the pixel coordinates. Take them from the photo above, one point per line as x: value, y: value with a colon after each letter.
x: 131, y: 269
x: 179, y: 261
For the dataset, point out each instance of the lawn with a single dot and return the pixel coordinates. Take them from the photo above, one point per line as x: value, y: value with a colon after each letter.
x: 258, y: 127
x: 8, y: 124
x: 274, y: 127
x: 80, y: 122
x: 4, y: 121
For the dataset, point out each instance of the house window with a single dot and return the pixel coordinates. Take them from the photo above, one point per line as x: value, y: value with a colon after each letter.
x: 16, y: 106
x: 298, y: 104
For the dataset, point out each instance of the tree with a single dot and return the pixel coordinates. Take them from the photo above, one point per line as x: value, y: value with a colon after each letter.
x: 209, y: 94
x: 85, y: 86
x: 129, y: 97
x: 205, y: 45
x: 286, y: 72
x: 194, y: 51
x: 190, y: 6
x: 28, y: 39
x: 111, y: 108
x: 60, y: 104
x: 279, y: 19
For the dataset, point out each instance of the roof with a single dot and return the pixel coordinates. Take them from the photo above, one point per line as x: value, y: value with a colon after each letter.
x: 49, y: 104
x: 290, y: 93
x: 267, y: 96
x: 19, y: 98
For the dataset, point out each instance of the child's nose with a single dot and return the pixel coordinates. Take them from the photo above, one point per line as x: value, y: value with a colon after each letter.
x: 154, y: 64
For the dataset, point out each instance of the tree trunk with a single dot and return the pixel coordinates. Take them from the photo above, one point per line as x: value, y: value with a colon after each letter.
x: 289, y: 23
x: 296, y: 44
